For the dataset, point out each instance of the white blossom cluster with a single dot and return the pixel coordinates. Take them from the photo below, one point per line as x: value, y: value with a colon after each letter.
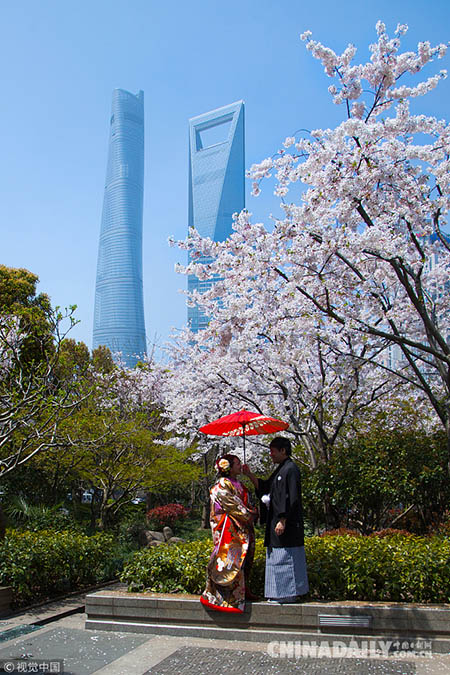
x: 131, y: 390
x: 304, y: 313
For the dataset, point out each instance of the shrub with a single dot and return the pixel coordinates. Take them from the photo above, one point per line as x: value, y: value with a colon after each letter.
x: 44, y: 564
x: 389, y: 532
x: 389, y: 568
x: 441, y: 526
x: 372, y: 473
x: 169, y: 569
x: 129, y: 531
x: 340, y: 532
x: 191, y: 530
x: 394, y: 567
x: 23, y: 515
x: 169, y: 514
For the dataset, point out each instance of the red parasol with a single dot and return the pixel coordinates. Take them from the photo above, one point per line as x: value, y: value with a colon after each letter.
x: 244, y: 423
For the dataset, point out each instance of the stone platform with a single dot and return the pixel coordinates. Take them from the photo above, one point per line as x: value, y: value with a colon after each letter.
x: 183, y: 615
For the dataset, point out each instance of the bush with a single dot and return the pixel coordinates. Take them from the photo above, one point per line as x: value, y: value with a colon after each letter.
x: 339, y: 532
x: 43, y: 564
x: 441, y: 526
x: 371, y: 474
x: 34, y: 517
x: 191, y: 530
x: 169, y: 569
x: 393, y: 567
x: 130, y: 530
x: 170, y: 514
x: 388, y: 568
x: 389, y: 532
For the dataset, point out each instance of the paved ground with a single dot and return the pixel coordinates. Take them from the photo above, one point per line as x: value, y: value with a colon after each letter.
x: 112, y: 653
x: 222, y: 662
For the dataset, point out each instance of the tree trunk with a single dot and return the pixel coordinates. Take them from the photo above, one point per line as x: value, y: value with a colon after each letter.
x: 93, y: 514
x: 192, y: 497
x: 332, y: 520
x: 205, y: 509
x: 447, y: 429
x: 205, y: 516
x: 103, y: 516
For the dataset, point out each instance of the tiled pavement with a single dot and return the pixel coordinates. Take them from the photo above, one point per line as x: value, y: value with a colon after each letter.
x: 224, y: 662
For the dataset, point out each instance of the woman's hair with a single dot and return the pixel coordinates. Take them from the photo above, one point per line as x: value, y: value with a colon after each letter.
x: 282, y: 443
x: 224, y: 464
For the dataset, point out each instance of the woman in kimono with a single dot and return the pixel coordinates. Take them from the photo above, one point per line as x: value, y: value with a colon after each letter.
x: 231, y: 520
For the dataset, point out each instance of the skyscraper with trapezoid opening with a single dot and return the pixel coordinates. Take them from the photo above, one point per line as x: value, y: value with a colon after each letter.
x: 216, y: 183
x: 119, y: 298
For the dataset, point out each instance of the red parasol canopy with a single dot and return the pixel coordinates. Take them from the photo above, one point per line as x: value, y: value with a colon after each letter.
x: 244, y: 423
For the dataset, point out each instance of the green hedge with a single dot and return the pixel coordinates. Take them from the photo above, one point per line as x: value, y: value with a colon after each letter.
x: 171, y: 569
x: 393, y: 568
x: 47, y: 563
x: 397, y: 568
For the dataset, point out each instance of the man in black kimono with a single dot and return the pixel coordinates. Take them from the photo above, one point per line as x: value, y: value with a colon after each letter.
x: 281, y: 511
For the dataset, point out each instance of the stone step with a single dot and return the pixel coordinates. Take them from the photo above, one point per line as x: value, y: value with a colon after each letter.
x: 264, y: 622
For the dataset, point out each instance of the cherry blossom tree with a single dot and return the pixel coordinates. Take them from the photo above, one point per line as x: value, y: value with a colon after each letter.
x: 362, y: 252
x: 314, y: 376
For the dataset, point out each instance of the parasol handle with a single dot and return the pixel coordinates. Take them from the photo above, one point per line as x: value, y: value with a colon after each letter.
x: 243, y: 434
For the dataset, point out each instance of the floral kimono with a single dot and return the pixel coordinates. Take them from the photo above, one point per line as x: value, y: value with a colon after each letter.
x: 234, y: 543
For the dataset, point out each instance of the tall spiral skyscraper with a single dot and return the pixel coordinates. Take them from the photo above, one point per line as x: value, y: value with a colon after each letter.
x: 119, y: 297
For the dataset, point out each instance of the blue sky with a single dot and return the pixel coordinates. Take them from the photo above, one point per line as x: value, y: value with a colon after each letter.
x: 62, y: 59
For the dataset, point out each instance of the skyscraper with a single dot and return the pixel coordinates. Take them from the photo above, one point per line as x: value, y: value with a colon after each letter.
x: 119, y: 302
x: 216, y: 182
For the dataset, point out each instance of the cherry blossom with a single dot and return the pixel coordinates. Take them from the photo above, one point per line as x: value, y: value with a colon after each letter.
x: 308, y: 310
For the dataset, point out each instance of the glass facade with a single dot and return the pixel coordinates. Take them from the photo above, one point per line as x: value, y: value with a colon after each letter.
x: 216, y: 182
x: 119, y: 302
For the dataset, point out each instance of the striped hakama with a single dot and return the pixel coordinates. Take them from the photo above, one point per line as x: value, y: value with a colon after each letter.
x: 286, y: 573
